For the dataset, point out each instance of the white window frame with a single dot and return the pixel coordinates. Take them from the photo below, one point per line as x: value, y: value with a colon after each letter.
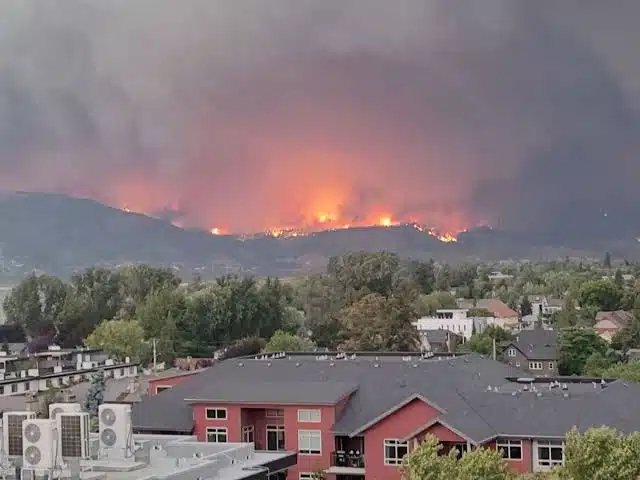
x: 277, y: 429
x: 217, y: 411
x: 517, y: 364
x: 306, y: 476
x: 505, y: 445
x: 396, y: 444
x: 248, y: 434
x: 545, y: 465
x: 217, y: 432
x: 535, y: 365
x: 162, y: 388
x: 551, y: 365
x: 309, y: 415
x: 512, y: 352
x: 306, y: 439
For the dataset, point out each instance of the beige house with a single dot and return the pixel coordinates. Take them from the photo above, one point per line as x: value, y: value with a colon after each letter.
x: 609, y: 323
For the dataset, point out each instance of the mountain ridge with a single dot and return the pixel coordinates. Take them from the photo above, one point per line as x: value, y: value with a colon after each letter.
x: 59, y: 234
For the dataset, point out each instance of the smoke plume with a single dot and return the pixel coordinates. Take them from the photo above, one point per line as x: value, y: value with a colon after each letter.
x: 248, y: 115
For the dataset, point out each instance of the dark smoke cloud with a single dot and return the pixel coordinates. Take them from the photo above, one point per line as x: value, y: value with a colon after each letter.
x: 252, y: 114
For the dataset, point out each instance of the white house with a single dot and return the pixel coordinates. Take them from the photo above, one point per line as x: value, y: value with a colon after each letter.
x: 454, y: 320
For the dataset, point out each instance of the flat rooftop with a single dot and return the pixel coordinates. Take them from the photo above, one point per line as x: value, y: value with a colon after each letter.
x: 173, y: 457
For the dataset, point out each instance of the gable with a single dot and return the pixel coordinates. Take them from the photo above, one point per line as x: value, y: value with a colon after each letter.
x: 442, y: 433
x: 401, y: 421
x: 605, y: 324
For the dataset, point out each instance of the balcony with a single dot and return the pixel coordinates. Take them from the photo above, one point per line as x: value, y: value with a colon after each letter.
x: 347, y: 463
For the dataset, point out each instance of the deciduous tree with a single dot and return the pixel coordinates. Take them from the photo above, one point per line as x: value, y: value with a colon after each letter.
x: 119, y: 338
x: 287, y: 342
x: 575, y: 346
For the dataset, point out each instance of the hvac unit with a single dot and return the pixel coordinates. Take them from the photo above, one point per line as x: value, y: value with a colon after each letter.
x: 39, y: 444
x: 116, y: 436
x: 56, y: 408
x: 12, y: 431
x: 73, y: 435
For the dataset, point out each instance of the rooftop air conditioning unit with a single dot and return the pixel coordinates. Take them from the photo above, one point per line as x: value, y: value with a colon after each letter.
x: 73, y: 435
x: 38, y: 444
x: 12, y: 432
x: 116, y: 435
x: 57, y: 408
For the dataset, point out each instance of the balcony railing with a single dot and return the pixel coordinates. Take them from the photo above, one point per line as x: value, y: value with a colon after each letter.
x: 347, y: 459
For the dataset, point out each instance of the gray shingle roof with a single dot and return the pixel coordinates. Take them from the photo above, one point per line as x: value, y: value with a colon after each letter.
x: 472, y: 392
x: 537, y: 344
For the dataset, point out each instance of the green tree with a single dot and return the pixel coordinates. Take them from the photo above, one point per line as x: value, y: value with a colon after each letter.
x: 137, y: 282
x: 629, y: 336
x: 244, y: 347
x: 575, y: 346
x: 606, y: 263
x: 482, y: 342
x: 625, y: 371
x: 378, y: 323
x: 601, y: 294
x: 423, y: 275
x: 600, y: 454
x: 424, y: 463
x: 319, y: 297
x: 287, y: 342
x: 119, y: 338
x: 361, y: 273
x: 479, y: 312
x: 36, y: 304
x: 618, y: 280
x: 596, y: 365
x: 427, y: 305
x: 95, y: 395
x: 525, y: 307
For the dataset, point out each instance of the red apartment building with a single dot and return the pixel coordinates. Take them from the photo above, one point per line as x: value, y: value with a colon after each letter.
x: 356, y: 416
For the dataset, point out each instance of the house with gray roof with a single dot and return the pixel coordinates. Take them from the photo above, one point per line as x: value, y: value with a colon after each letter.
x: 534, y: 350
x: 358, y: 414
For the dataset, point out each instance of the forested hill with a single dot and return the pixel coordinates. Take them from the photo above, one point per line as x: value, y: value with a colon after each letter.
x: 59, y: 235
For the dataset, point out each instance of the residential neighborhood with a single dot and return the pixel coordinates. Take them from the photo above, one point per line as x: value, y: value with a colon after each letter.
x: 355, y: 415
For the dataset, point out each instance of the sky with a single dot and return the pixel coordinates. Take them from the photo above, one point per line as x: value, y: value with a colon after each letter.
x: 246, y: 115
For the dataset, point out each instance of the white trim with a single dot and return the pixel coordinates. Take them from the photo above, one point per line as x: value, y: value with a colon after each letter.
x: 217, y: 410
x: 552, y: 365
x: 396, y: 444
x: 307, y: 442
x: 511, y: 352
x: 273, y: 429
x: 218, y: 432
x: 248, y: 430
x: 535, y: 365
x: 163, y: 388
x: 394, y: 409
x: 306, y: 476
x: 274, y: 413
x: 507, y: 444
x: 309, y: 415
x: 546, y: 465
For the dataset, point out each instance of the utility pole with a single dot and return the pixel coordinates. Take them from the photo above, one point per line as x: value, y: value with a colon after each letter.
x: 155, y: 355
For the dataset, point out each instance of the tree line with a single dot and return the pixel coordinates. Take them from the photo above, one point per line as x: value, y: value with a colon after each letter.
x: 362, y: 301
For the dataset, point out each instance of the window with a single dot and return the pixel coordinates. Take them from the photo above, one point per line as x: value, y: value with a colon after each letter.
x: 248, y: 434
x: 549, y: 453
x: 535, y: 365
x: 517, y: 364
x: 216, y: 413
x: 310, y: 442
x: 309, y: 415
x: 27, y: 385
x: 275, y: 437
x: 162, y: 388
x: 511, y: 352
x: 2, y: 390
x: 217, y: 434
x: 14, y: 387
x: 510, y: 449
x: 122, y: 372
x: 394, y: 451
x: 274, y: 413
x: 551, y: 365
x: 307, y: 476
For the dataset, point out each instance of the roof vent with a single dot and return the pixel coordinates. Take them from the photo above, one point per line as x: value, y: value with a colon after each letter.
x: 376, y: 365
x: 495, y: 389
x: 297, y: 364
x: 565, y: 395
x: 489, y: 388
x: 415, y: 365
x: 565, y: 386
x: 240, y: 364
x: 513, y: 394
x: 539, y: 394
x: 269, y: 364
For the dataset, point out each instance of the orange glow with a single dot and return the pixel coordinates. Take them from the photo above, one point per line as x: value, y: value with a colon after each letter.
x: 385, y: 221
